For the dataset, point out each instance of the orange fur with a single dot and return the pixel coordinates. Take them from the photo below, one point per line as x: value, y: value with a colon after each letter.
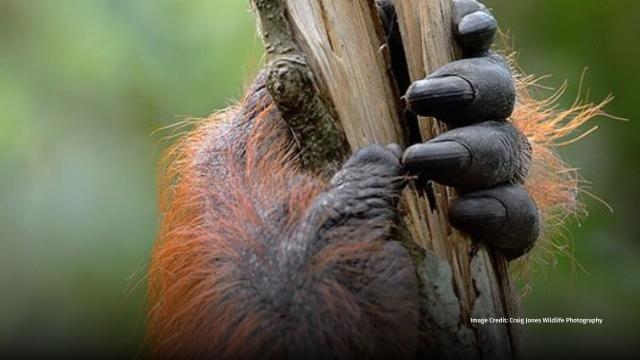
x: 552, y: 183
x: 184, y: 277
x: 218, y: 185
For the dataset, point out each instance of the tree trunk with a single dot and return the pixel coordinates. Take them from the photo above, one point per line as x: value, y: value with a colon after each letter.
x: 330, y: 74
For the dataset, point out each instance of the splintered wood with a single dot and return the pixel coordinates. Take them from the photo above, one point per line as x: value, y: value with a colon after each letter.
x: 344, y: 46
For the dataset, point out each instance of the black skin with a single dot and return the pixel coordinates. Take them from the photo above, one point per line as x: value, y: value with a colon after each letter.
x: 484, y: 157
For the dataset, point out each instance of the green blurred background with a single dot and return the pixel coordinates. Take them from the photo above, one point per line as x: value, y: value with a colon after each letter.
x: 84, y: 84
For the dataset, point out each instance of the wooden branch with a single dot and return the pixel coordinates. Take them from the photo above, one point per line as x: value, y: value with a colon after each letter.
x: 333, y: 35
x: 291, y: 84
x: 340, y: 72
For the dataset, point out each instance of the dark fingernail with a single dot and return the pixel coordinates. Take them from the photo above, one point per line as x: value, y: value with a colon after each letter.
x: 478, y: 30
x: 435, y: 96
x: 466, y: 6
x: 477, y: 22
x: 479, y: 214
x: 437, y: 160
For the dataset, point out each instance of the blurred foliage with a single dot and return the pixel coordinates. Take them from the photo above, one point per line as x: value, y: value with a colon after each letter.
x: 562, y: 38
x: 84, y: 84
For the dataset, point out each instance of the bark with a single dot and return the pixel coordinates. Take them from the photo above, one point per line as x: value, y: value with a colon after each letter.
x: 330, y: 74
x: 292, y: 85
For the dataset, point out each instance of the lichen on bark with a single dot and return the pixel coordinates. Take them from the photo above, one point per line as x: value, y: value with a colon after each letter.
x: 291, y: 83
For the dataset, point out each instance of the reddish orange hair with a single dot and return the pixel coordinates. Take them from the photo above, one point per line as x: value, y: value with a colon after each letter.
x: 198, y: 198
x: 230, y: 193
x: 553, y: 184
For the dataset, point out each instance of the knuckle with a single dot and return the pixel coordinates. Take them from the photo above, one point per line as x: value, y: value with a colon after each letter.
x: 379, y: 159
x: 498, y: 155
x: 522, y: 156
x: 521, y: 226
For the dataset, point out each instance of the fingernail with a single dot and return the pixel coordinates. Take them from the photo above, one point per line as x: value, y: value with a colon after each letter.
x: 477, y: 31
x: 437, y: 160
x: 479, y: 214
x: 477, y: 22
x: 435, y: 96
